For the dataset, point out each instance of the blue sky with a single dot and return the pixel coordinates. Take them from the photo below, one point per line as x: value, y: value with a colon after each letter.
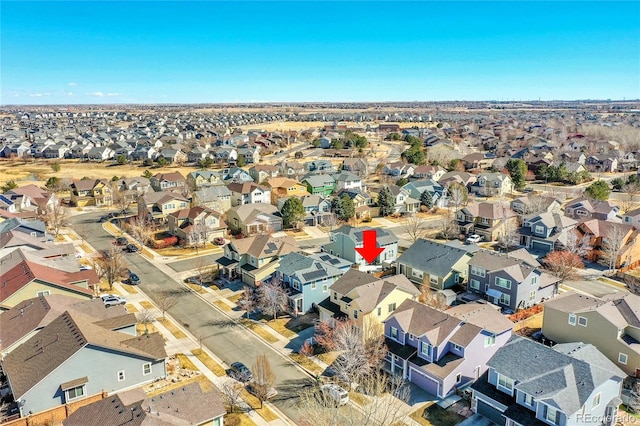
x: 185, y: 52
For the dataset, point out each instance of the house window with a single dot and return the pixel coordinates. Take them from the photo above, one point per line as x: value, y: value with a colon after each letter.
x: 392, y: 307
x: 411, y: 337
x: 528, y: 399
x: 505, y: 299
x: 582, y: 321
x: 43, y: 293
x: 335, y: 296
x: 539, y: 229
x: 120, y: 375
x: 379, y: 310
x: 433, y: 279
x: 489, y: 341
x: 572, y: 319
x: 532, y: 295
x: 596, y: 400
x: 416, y: 273
x: 458, y: 377
x: 627, y: 219
x: 325, y: 287
x: 552, y: 415
x: 485, y: 220
x: 456, y: 347
x: 426, y: 349
x: 394, y: 333
x: 501, y: 282
x: 478, y: 271
x: 505, y: 383
x: 355, y: 314
x: 313, y: 286
x: 75, y: 393
x: 534, y: 280
x: 622, y: 358
x: 146, y: 369
x: 475, y: 284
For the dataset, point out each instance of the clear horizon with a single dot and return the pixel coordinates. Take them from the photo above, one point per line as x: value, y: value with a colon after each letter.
x: 87, y: 53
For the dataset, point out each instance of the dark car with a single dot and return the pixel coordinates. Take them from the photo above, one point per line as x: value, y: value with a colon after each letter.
x: 121, y: 241
x: 133, y: 279
x: 240, y: 372
x: 131, y: 248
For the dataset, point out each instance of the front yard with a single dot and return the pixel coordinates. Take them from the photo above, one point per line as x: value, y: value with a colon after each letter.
x: 435, y: 415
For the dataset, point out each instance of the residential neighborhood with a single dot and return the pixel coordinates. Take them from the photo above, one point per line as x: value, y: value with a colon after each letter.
x: 154, y: 263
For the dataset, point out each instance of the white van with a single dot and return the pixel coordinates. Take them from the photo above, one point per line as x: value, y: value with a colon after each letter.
x: 335, y: 393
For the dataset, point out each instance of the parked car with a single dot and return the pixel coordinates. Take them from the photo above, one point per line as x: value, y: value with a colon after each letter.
x: 473, y: 239
x: 131, y: 248
x: 113, y: 300
x: 334, y: 394
x: 219, y: 241
x: 122, y: 241
x: 85, y: 267
x: 240, y: 372
x: 252, y: 388
x: 133, y: 279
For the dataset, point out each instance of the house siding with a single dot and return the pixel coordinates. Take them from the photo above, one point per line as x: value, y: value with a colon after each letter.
x: 100, y: 366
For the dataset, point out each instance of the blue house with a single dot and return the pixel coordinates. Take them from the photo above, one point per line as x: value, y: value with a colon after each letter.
x: 437, y: 191
x: 308, y: 278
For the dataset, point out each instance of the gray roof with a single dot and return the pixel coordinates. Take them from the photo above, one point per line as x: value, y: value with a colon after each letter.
x: 564, y: 376
x: 307, y: 268
x: 383, y: 236
x: 319, y: 180
x: 434, y: 258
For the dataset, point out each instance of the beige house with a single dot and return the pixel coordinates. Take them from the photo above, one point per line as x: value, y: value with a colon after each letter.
x: 610, y: 323
x: 251, y: 219
x: 364, y: 298
x: 492, y: 184
x: 90, y: 192
x: 158, y: 205
x: 196, y: 225
x: 489, y: 220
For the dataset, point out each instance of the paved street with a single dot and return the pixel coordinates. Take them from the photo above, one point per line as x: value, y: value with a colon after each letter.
x: 593, y: 287
x: 220, y: 335
x: 188, y: 264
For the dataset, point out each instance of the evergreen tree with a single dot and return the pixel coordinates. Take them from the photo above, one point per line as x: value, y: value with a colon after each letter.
x: 292, y: 212
x: 426, y: 199
x: 518, y: 171
x: 386, y: 202
x: 348, y: 208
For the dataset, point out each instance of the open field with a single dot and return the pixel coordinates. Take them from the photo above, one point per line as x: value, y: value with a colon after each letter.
x: 303, y: 125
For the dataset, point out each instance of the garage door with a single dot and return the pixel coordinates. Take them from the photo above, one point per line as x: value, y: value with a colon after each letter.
x: 541, y: 246
x: 490, y: 413
x: 424, y: 382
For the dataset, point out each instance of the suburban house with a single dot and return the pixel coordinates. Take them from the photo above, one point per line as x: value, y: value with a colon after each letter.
x: 509, y: 282
x: 344, y: 240
x: 90, y: 192
x: 200, y: 178
x: 609, y: 239
x: 365, y: 299
x: 308, y: 278
x: 357, y: 166
x: 254, y: 259
x: 28, y: 317
x: 611, y: 323
x: 545, y: 232
x: 534, y: 203
x: 285, y: 187
x: 532, y: 384
x: 262, y: 172
x: 58, y: 364
x: 291, y: 169
x: 489, y: 220
x: 442, y: 351
x: 36, y: 228
x: 190, y: 404
x: 24, y: 277
x: 465, y: 179
x: 315, y: 207
x: 196, y: 225
x: 158, y: 205
x: 438, y: 192
x: 428, y: 171
x: 173, y: 181
x: 398, y: 169
x: 41, y: 200
x: 322, y: 185
x: 236, y: 174
x: 632, y: 217
x: 130, y: 188
x: 437, y: 265
x: 584, y: 208
x: 320, y: 166
x: 248, y: 193
x: 478, y: 160
x: 251, y: 219
x: 347, y: 180
x: 404, y: 203
x: 217, y: 197
x: 492, y: 184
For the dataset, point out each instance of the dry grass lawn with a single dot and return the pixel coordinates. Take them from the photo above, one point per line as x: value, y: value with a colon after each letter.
x: 147, y: 305
x: 306, y: 363
x: 186, y: 363
x: 533, y: 322
x: 172, y: 328
x: 359, y: 398
x: 235, y: 298
x: 131, y: 308
x: 142, y: 329
x: 130, y: 289
x: 328, y: 357
x: 238, y: 419
x: 222, y: 305
x: 251, y: 325
x: 195, y: 287
x: 279, y: 325
x: 254, y: 403
x: 211, y: 364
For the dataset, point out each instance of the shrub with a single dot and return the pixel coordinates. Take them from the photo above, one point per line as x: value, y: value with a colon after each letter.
x: 367, y: 219
x: 166, y: 242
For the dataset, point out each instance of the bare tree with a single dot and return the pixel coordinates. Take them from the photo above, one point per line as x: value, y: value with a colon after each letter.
x: 57, y: 217
x: 199, y: 234
x: 612, y: 246
x: 535, y: 204
x: 577, y: 244
x: 111, y: 266
x: 232, y: 393
x: 247, y: 301
x: 205, y: 271
x: 449, y: 227
x: 263, y: 378
x: 140, y: 229
x: 146, y: 317
x: 509, y: 237
x: 458, y: 195
x: 272, y: 298
x: 563, y: 264
x: 432, y: 298
x: 330, y: 222
x: 120, y: 199
x: 166, y: 301
x: 415, y: 226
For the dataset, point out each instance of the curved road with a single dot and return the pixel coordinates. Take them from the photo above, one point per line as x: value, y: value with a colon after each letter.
x: 219, y: 334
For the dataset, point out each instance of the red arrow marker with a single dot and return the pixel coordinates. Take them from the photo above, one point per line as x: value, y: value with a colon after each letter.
x: 369, y: 250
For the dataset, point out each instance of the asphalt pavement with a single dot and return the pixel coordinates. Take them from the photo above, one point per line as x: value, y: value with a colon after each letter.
x: 218, y: 332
